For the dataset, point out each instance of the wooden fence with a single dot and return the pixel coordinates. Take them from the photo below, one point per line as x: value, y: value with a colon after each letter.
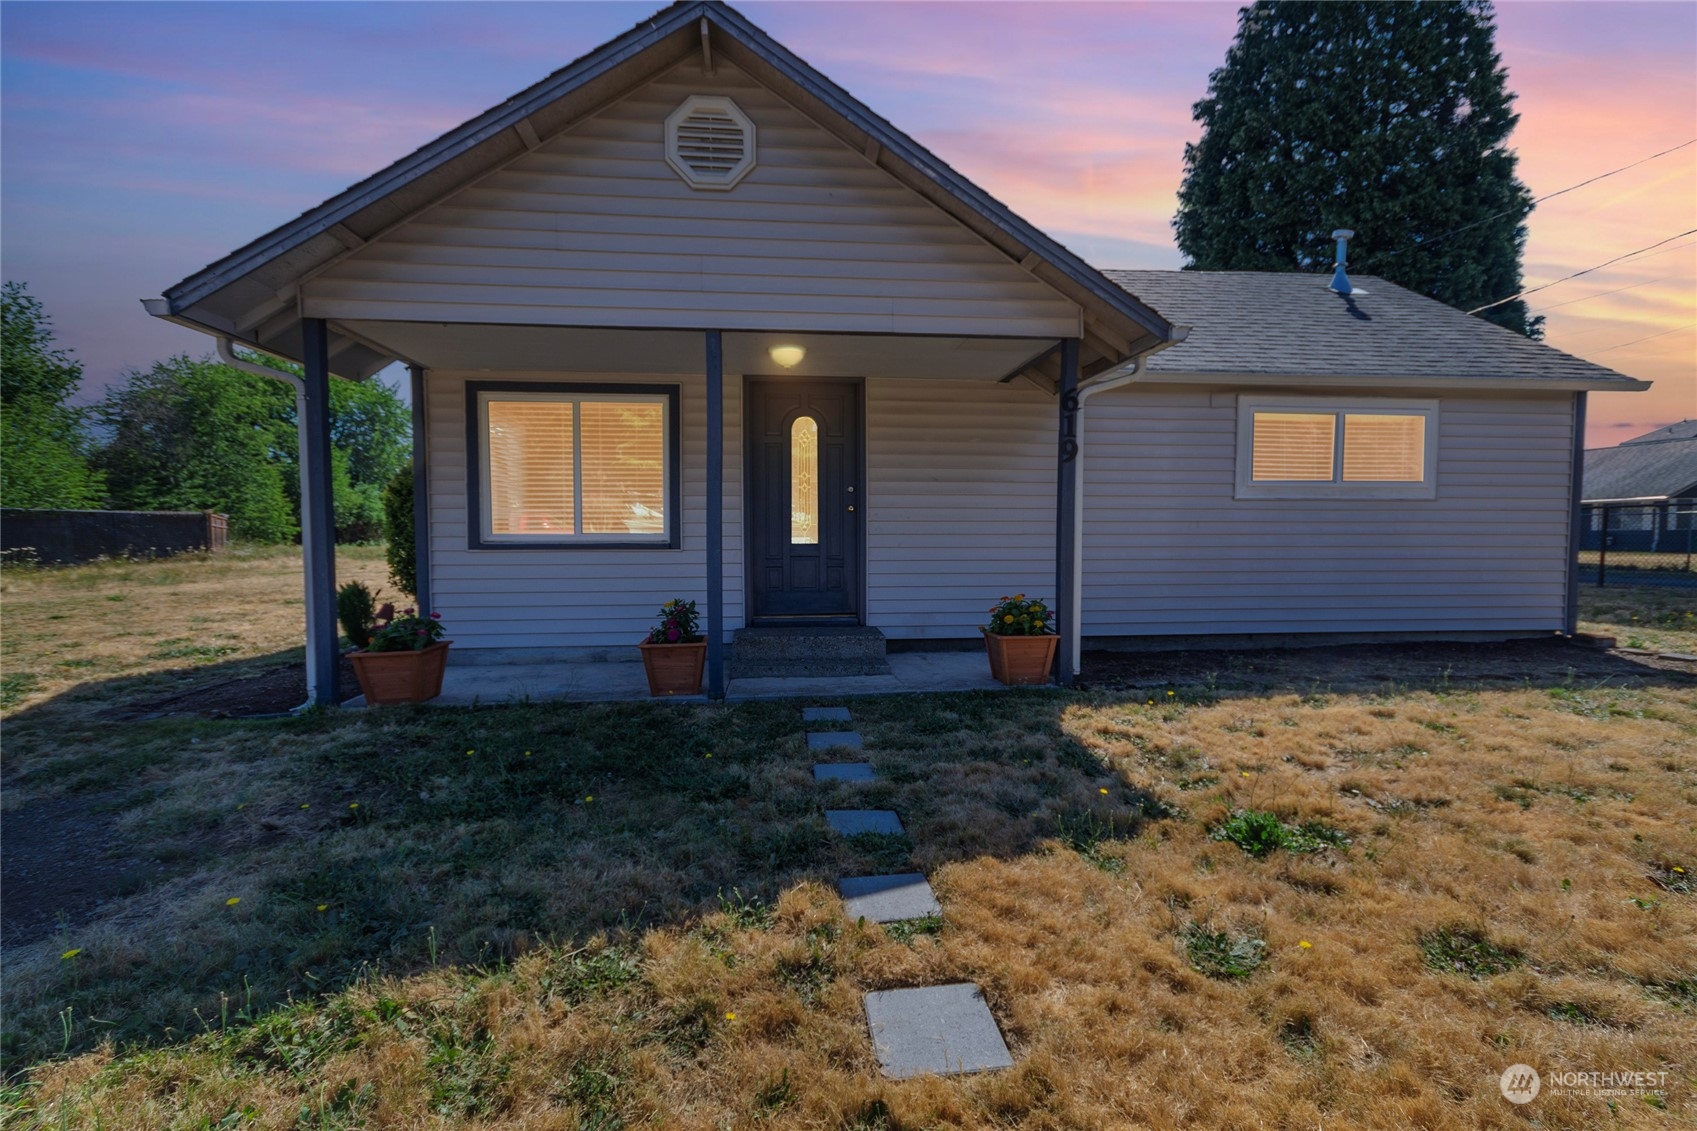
x: 67, y: 537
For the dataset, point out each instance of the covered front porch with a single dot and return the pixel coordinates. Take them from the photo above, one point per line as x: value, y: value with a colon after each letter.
x: 940, y: 473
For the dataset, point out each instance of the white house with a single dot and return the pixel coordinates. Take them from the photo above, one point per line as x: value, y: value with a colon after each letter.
x: 685, y: 319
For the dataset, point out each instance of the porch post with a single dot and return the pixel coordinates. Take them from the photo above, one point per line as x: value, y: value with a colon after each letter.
x: 1067, y: 603
x: 1576, y: 518
x: 420, y: 492
x: 318, y: 517
x: 715, y: 515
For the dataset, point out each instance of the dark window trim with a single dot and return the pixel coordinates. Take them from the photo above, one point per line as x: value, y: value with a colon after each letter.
x: 474, y: 463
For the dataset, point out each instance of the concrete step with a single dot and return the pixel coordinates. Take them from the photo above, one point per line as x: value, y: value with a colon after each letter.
x: 800, y: 652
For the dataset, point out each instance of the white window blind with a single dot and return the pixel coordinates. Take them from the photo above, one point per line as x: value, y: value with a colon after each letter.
x: 569, y: 467
x: 1297, y: 447
x: 1294, y: 446
x: 1384, y: 448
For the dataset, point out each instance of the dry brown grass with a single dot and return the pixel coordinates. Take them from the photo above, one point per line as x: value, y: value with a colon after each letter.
x: 588, y: 975
x: 1549, y: 819
x: 69, y: 627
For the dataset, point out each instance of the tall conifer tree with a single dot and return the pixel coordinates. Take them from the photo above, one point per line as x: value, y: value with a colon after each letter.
x: 1389, y: 118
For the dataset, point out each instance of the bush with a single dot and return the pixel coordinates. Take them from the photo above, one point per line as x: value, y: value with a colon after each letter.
x: 356, y: 608
x: 402, y: 549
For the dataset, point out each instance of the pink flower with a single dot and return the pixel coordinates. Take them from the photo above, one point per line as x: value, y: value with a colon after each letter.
x: 435, y: 616
x: 672, y: 635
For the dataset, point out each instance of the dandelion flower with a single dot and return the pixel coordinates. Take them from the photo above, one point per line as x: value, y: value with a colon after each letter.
x: 1246, y: 773
x: 306, y: 806
x: 324, y: 907
x: 730, y: 1017
x: 1305, y: 945
x: 1170, y: 694
x: 232, y: 901
x: 527, y: 753
x: 1151, y: 703
x: 70, y: 954
x: 591, y: 797
x: 1678, y: 869
x: 1104, y: 789
x: 469, y: 753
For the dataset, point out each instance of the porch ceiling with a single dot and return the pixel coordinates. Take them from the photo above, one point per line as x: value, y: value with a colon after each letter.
x: 565, y: 349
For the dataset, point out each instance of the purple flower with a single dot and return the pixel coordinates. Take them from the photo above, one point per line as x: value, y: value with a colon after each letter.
x: 672, y: 635
x: 435, y: 616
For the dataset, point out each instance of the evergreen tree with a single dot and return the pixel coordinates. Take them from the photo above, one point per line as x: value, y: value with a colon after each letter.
x: 1389, y: 118
x: 42, y: 443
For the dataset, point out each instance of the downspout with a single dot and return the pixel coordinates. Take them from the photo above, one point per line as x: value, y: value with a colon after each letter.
x: 227, y: 354
x: 1115, y: 378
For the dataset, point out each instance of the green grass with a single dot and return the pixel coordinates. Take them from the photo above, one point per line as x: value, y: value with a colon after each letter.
x: 1469, y: 951
x: 1221, y: 954
x: 1260, y: 833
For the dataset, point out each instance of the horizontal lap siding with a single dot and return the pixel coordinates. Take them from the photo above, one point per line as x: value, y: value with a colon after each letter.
x: 1169, y: 551
x: 594, y: 228
x: 516, y: 598
x: 960, y: 503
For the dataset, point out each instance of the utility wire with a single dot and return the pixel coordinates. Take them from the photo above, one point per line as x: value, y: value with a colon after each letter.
x: 1541, y: 199
x: 1576, y: 274
x: 1635, y: 341
x: 1600, y: 294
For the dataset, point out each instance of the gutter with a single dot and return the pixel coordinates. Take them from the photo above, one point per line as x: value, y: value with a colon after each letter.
x: 227, y: 354
x: 1123, y: 374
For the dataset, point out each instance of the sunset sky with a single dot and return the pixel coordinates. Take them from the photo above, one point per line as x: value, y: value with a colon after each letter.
x: 142, y: 141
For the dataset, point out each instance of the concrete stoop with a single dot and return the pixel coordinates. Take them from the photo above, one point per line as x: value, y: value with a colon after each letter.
x: 802, y: 652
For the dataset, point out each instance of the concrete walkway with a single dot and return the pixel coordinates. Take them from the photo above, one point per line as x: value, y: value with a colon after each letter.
x: 466, y: 685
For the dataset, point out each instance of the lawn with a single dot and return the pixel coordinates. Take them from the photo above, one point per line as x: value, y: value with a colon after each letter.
x: 1228, y: 899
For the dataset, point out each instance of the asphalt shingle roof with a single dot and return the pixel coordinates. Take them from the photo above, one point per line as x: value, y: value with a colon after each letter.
x: 1286, y: 324
x: 1659, y: 465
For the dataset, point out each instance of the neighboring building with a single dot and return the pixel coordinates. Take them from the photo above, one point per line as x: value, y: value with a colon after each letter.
x: 685, y: 319
x: 1648, y: 488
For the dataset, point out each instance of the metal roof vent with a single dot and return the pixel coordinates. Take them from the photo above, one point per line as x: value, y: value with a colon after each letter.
x: 710, y: 142
x: 1340, y: 278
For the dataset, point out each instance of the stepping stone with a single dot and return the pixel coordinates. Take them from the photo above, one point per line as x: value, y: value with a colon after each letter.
x: 889, y: 899
x: 938, y: 1029
x: 854, y: 822
x: 1679, y: 656
x: 843, y: 771
x: 826, y: 740
x: 824, y: 714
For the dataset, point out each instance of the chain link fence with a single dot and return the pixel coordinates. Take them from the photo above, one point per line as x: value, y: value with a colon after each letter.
x: 1639, y: 543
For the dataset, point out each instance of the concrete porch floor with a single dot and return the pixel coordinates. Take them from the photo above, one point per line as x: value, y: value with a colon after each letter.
x: 482, y: 684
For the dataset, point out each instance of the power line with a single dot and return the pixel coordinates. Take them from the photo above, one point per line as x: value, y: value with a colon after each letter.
x: 1635, y: 341
x: 1600, y: 294
x: 1576, y: 274
x: 1541, y: 199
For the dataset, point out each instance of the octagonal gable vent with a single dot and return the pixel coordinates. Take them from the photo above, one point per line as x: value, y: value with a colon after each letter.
x: 710, y: 142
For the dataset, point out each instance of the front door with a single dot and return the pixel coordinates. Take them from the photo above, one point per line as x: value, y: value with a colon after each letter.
x: 804, y: 500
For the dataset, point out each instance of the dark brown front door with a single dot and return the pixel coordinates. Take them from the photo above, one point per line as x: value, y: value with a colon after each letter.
x: 804, y: 499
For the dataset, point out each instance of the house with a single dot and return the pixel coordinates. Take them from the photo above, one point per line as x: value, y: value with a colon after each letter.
x: 685, y: 319
x: 1646, y: 490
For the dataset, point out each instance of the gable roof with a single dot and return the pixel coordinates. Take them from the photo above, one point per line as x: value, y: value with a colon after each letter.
x: 1658, y: 465
x: 1249, y: 324
x: 248, y: 294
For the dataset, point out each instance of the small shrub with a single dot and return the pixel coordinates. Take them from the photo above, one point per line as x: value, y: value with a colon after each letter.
x: 749, y: 912
x: 1466, y: 950
x: 1220, y: 954
x: 356, y: 608
x: 1087, y: 834
x: 401, y: 550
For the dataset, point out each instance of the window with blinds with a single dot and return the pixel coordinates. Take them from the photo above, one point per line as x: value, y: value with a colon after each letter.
x: 1301, y: 447
x: 564, y: 467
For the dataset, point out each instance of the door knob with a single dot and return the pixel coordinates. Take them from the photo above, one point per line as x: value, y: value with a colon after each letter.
x: 851, y: 508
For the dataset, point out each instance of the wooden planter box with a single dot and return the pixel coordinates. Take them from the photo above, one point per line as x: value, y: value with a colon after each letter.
x: 388, y: 678
x: 674, y: 669
x: 1020, y: 660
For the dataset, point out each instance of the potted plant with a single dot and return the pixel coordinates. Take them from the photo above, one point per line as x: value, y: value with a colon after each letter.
x: 675, y: 652
x: 1021, y: 641
x: 399, y: 657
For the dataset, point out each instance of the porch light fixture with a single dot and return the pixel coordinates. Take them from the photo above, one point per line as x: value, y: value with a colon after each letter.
x: 787, y: 356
